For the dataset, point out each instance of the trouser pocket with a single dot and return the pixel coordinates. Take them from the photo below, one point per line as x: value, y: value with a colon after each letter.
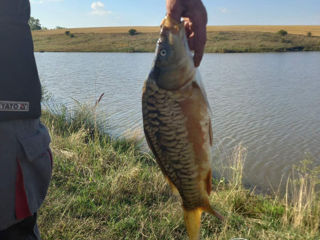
x: 36, y: 166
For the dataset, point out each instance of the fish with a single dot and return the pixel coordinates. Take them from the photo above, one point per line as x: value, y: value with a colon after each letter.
x: 177, y: 124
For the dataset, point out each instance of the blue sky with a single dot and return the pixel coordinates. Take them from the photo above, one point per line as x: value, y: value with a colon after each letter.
x: 99, y: 13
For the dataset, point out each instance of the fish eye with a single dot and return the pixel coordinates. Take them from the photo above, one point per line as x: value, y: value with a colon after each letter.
x: 163, y: 52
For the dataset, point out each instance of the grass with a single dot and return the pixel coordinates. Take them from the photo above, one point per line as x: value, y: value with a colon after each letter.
x: 107, y: 189
x: 220, y: 39
x: 291, y: 29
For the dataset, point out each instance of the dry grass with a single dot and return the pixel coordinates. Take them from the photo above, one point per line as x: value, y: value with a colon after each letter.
x: 95, y: 42
x: 106, y: 189
x: 218, y: 42
x: 303, y: 209
x: 98, y: 30
x: 291, y: 29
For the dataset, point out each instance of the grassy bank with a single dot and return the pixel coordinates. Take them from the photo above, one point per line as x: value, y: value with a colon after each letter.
x: 291, y: 29
x: 220, y: 40
x: 106, y: 189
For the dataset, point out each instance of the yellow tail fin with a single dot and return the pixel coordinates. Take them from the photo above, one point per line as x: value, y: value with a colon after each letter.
x: 192, y: 219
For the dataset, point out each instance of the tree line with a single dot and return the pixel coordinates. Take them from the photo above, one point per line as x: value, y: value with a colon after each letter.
x: 34, y: 24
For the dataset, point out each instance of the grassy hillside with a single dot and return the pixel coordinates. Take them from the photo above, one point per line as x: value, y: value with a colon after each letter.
x: 106, y: 189
x: 293, y: 29
x: 220, y: 39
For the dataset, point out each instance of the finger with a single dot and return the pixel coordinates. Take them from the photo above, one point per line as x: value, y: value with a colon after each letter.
x: 197, y: 40
x: 198, y: 54
x: 186, y: 20
x: 189, y: 32
x: 200, y: 42
x: 191, y: 43
x: 188, y: 28
x: 200, y: 39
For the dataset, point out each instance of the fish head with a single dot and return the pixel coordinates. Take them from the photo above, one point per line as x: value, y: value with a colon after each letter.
x: 173, y: 65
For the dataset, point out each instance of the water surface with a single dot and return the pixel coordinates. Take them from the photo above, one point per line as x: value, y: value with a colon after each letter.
x: 270, y: 102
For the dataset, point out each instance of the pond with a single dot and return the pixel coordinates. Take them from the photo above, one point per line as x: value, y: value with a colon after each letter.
x: 269, y: 102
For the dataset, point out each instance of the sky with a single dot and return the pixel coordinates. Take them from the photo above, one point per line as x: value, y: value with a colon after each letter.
x: 101, y: 13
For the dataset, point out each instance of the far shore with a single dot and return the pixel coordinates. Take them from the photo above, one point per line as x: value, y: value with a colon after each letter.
x: 221, y: 39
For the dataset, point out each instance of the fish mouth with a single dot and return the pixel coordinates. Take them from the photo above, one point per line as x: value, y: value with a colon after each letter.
x: 168, y: 23
x: 173, y: 66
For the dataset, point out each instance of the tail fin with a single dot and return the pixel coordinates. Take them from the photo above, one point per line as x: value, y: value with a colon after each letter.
x: 192, y: 219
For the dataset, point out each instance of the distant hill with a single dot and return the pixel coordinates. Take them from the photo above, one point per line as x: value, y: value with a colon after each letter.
x: 220, y: 39
x: 291, y: 29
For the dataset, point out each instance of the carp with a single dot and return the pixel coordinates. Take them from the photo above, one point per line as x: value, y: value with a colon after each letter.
x: 177, y: 124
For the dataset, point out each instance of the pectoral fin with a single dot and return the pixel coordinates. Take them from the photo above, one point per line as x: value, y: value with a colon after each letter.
x: 173, y: 187
x: 210, y: 210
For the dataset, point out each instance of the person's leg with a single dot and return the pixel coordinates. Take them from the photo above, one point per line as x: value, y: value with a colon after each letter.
x: 25, y: 230
x: 35, y: 235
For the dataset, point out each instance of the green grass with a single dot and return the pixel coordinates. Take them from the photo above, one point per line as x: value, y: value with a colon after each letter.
x: 218, y: 42
x: 107, y: 189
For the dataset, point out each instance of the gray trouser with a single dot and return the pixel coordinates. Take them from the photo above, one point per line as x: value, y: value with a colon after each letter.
x: 25, y: 171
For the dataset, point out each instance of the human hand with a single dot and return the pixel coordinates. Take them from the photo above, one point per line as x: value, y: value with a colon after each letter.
x: 195, y: 19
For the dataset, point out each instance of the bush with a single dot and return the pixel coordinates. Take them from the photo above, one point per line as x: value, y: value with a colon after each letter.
x: 132, y: 32
x: 309, y: 34
x: 71, y: 35
x: 67, y: 33
x: 282, y: 32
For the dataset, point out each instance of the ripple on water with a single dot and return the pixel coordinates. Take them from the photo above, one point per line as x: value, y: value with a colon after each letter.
x: 269, y: 102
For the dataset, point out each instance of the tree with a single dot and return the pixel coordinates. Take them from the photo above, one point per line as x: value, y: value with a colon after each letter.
x: 309, y: 34
x: 132, y: 32
x: 282, y: 32
x: 34, y: 23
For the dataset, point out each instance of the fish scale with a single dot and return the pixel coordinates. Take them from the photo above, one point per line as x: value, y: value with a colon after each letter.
x: 177, y: 125
x: 173, y: 131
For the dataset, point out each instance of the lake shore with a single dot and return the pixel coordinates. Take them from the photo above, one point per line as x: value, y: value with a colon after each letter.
x: 223, y: 39
x: 106, y: 188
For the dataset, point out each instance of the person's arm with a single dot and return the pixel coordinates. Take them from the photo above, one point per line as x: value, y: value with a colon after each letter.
x: 195, y: 16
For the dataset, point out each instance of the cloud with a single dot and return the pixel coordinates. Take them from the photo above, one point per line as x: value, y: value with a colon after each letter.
x: 223, y: 10
x: 98, y: 9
